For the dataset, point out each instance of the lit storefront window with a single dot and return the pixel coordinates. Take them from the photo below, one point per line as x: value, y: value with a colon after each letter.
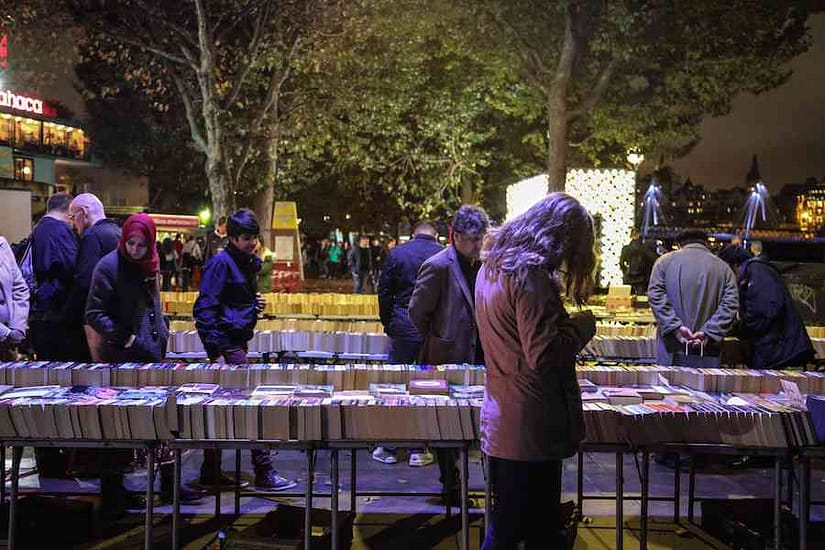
x: 6, y: 126
x: 26, y: 133
x: 46, y: 137
x: 23, y: 169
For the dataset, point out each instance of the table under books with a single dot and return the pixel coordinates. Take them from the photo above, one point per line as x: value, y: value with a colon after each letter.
x: 626, y: 408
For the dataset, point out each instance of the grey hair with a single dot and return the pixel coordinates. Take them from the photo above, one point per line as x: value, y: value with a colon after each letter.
x: 91, y: 203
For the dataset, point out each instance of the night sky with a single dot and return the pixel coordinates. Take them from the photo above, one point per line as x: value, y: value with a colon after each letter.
x: 785, y: 127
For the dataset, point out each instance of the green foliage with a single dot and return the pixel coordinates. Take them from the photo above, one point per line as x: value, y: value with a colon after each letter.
x: 397, y: 101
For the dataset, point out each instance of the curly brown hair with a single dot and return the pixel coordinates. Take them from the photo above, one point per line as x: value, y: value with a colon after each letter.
x: 556, y: 236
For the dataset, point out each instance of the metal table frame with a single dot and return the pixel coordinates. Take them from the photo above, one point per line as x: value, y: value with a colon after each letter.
x: 778, y: 454
x: 462, y: 446
x: 17, y: 454
x: 178, y: 445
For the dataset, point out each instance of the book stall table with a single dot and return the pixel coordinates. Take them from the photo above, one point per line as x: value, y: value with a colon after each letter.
x: 17, y: 454
x: 462, y: 446
x: 238, y: 445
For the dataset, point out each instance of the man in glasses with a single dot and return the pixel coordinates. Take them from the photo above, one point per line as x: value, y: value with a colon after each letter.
x: 98, y: 236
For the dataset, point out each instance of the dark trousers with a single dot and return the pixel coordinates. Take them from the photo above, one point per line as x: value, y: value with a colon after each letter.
x: 404, y: 351
x: 525, y: 505
x: 261, y: 460
x: 54, y: 340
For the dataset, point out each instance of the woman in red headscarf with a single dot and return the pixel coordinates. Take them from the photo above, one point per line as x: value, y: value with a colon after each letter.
x: 124, y: 299
x: 124, y: 309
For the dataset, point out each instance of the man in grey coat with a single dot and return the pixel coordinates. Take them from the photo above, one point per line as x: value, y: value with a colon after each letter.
x: 694, y: 298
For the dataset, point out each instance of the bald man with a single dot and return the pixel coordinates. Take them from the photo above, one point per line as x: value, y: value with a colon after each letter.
x: 98, y: 236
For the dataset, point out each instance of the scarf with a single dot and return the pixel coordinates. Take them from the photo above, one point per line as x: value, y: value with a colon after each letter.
x: 143, y: 226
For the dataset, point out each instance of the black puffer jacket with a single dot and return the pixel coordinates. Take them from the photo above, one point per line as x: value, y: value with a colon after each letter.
x: 768, y: 319
x: 121, y: 303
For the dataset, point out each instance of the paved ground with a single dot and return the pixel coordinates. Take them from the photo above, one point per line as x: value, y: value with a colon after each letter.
x: 417, y: 521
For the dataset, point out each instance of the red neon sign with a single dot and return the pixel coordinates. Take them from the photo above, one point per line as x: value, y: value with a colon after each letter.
x: 4, y: 52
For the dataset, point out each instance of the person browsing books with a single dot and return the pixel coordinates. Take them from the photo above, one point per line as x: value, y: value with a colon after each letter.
x: 532, y: 416
x: 442, y: 308
x: 226, y: 312
x: 123, y: 309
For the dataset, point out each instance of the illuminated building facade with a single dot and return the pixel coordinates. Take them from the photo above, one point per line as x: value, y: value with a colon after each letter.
x: 35, y: 143
x: 810, y: 209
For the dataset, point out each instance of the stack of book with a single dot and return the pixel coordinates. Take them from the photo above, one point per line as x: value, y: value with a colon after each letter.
x: 87, y: 412
x: 274, y: 341
x: 345, y: 305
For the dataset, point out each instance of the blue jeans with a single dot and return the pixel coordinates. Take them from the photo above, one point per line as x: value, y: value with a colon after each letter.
x: 358, y: 281
x: 525, y: 505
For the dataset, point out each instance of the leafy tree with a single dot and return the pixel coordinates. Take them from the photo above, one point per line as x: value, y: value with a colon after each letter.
x: 612, y: 76
x: 227, y: 62
x: 396, y: 104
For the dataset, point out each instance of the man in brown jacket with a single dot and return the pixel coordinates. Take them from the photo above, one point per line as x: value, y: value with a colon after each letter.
x: 442, y: 308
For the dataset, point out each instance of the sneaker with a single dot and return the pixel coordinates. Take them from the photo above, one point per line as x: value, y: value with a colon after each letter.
x: 421, y: 458
x: 382, y: 455
x: 272, y: 482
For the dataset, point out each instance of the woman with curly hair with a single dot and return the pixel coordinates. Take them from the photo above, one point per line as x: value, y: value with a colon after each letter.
x: 532, y: 413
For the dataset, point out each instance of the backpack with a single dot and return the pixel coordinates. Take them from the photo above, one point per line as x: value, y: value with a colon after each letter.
x: 26, y: 265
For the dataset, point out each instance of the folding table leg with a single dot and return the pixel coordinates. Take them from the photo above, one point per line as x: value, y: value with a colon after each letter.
x: 619, y: 501
x: 16, y: 456
x: 308, y: 499
x: 465, y: 486
x: 176, y: 503
x: 237, y: 482
x: 150, y: 497
x: 333, y: 459
x: 777, y: 502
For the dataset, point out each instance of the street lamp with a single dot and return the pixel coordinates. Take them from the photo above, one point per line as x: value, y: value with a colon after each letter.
x: 204, y: 216
x: 635, y: 159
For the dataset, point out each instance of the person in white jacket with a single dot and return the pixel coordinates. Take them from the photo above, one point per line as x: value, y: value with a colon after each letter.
x: 14, y: 302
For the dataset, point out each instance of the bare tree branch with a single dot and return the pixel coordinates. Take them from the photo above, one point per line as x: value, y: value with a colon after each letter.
x: 194, y: 128
x: 254, y: 49
x: 164, y: 20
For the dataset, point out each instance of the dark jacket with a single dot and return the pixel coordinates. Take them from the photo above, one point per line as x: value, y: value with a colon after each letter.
x: 122, y: 303
x: 768, y: 319
x: 637, y: 261
x: 225, y: 314
x: 532, y: 402
x: 397, y: 282
x: 442, y: 309
x: 54, y: 253
x: 96, y: 242
x: 214, y: 244
x: 359, y: 260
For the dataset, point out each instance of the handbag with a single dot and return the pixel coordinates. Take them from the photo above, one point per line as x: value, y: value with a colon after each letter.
x: 700, y: 361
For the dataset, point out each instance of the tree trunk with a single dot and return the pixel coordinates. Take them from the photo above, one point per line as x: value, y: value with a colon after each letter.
x: 556, y: 144
x: 557, y: 109
x: 265, y: 198
x: 218, y: 186
x: 467, y: 192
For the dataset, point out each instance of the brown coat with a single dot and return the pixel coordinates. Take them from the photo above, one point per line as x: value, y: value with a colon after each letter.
x: 532, y: 404
x: 442, y: 310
